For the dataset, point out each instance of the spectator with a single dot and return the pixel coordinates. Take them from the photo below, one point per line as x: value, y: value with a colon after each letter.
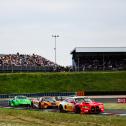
x: 25, y: 61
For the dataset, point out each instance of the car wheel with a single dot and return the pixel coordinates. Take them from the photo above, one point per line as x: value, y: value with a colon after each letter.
x: 40, y: 105
x: 32, y: 104
x: 77, y: 110
x: 61, y: 108
x: 29, y: 106
x: 11, y: 104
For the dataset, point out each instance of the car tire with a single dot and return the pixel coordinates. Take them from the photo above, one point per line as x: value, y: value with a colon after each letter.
x: 11, y: 104
x: 40, y: 105
x: 61, y: 108
x: 32, y: 106
x: 77, y: 110
x: 29, y: 106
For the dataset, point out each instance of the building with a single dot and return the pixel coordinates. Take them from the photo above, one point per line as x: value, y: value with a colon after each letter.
x: 99, y: 58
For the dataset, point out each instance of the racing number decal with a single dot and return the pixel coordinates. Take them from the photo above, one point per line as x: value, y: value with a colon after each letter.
x: 69, y: 107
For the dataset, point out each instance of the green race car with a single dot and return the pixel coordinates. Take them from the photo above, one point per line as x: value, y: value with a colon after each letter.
x: 20, y: 101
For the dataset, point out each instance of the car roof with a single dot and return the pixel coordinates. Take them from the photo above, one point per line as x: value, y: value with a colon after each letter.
x: 77, y: 97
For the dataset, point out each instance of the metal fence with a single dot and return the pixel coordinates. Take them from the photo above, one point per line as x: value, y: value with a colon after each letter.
x: 79, y: 93
x: 26, y: 68
x: 39, y: 94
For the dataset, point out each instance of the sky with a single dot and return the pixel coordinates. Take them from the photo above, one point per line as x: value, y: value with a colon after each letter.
x: 27, y: 26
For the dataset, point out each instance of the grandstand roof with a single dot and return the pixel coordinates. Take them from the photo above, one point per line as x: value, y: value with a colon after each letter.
x: 99, y: 49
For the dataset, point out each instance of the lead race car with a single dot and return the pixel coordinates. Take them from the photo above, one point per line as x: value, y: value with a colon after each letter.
x: 80, y: 104
x: 20, y: 101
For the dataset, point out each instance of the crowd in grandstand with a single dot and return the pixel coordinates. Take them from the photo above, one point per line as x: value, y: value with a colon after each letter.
x: 102, y: 64
x: 23, y: 62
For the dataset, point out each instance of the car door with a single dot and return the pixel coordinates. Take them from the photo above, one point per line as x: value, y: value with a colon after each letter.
x: 36, y: 102
x: 70, y: 104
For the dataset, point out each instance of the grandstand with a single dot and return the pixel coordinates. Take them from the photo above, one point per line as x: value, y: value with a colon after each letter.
x: 99, y: 58
x: 25, y: 62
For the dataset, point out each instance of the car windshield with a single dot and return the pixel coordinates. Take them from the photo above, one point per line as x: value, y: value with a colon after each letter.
x: 50, y: 99
x: 87, y: 100
x: 79, y: 100
x: 21, y: 97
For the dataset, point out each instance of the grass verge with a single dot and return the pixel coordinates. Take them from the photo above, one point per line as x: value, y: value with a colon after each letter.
x: 115, y: 105
x: 9, y: 117
x: 62, y: 82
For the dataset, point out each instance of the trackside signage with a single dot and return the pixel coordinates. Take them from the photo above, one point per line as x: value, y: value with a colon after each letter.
x: 80, y: 93
x: 121, y: 100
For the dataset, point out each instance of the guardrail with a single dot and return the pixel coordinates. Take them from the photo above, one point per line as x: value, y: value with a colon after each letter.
x: 39, y: 94
x: 79, y: 93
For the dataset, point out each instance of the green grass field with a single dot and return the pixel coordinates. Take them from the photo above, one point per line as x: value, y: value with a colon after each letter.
x: 11, y: 117
x: 62, y: 82
x: 115, y: 105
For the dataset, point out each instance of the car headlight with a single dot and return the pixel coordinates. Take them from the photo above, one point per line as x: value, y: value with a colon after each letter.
x: 85, y: 107
x: 100, y: 106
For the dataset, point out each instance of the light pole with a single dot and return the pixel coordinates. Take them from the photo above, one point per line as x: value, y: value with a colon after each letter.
x: 55, y: 36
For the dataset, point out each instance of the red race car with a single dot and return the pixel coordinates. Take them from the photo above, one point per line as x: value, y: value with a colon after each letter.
x: 80, y: 104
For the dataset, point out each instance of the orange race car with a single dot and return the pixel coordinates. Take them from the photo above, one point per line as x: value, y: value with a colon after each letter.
x: 45, y: 102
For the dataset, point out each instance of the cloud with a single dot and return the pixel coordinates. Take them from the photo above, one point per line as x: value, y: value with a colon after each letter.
x: 27, y: 25
x: 16, y: 7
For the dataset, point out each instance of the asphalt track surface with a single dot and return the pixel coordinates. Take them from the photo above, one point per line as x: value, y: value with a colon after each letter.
x: 119, y: 112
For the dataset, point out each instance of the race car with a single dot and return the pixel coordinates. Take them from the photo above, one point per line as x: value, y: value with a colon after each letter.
x: 20, y: 101
x: 80, y: 104
x: 45, y: 102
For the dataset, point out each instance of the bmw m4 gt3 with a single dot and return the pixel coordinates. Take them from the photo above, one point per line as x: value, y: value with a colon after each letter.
x: 80, y: 104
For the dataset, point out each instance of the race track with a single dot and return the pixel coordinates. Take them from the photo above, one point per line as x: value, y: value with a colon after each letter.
x: 119, y: 112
